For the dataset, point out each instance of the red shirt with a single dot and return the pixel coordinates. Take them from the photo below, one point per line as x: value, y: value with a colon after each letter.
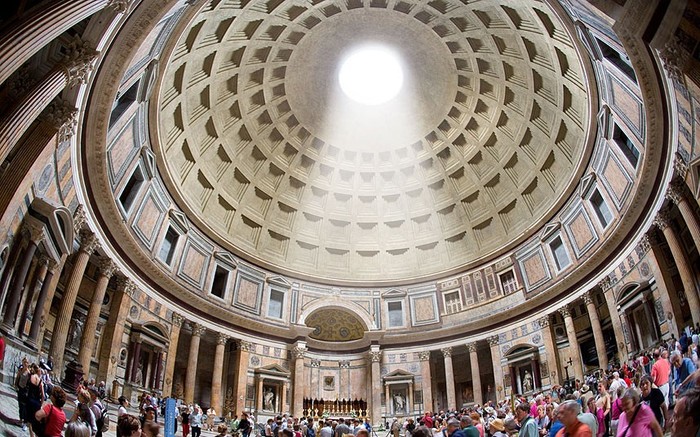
x: 55, y: 419
x: 2, y: 349
x: 660, y: 371
x: 577, y: 430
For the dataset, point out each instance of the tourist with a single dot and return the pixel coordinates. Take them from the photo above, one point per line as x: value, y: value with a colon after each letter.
x: 497, y: 428
x: 83, y: 411
x: 568, y: 413
x: 598, y: 414
x: 686, y: 415
x: 683, y: 367
x: 51, y: 414
x: 21, y: 380
x: 97, y: 409
x: 528, y: 426
x: 77, y: 429
x: 660, y: 372
x: 637, y: 419
x: 35, y: 397
x: 150, y: 428
x: 453, y: 429
x: 468, y: 428
x: 129, y: 426
x: 196, y: 421
x: 653, y: 397
x: 244, y: 425
x: 221, y: 430
x: 185, y: 420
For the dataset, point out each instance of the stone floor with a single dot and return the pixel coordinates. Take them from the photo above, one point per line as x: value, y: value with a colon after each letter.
x: 10, y: 426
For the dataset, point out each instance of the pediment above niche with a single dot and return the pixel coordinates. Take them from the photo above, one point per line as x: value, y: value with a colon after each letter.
x: 549, y: 230
x: 179, y: 220
x: 394, y: 292
x: 279, y: 281
x: 273, y: 370
x: 226, y: 258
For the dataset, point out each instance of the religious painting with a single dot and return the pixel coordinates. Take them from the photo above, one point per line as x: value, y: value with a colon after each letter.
x: 467, y: 392
x: 329, y: 382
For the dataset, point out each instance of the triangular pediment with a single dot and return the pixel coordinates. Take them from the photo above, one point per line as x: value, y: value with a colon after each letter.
x: 394, y: 292
x: 587, y: 183
x: 549, y: 230
x: 149, y: 160
x: 398, y: 375
x: 273, y: 369
x: 179, y: 221
x: 279, y: 281
x: 226, y: 259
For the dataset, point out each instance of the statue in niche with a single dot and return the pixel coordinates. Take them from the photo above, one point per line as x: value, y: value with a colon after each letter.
x: 268, y: 399
x: 75, y: 331
x: 399, y: 403
x: 138, y: 378
x: 527, y: 382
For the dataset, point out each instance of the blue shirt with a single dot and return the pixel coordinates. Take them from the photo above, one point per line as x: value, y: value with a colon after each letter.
x: 556, y: 426
x: 687, y: 367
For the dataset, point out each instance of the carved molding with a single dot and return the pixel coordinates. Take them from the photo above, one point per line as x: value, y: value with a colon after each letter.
x: 446, y: 351
x: 424, y: 355
x: 605, y: 284
x: 246, y: 346
x: 565, y: 311
x: 88, y: 241
x: 177, y: 320
x: 662, y: 220
x: 375, y: 356
x: 315, y: 363
x: 674, y: 58
x: 299, y: 352
x: 587, y: 298
x: 544, y: 321
x: 472, y: 347
x: 222, y: 338
x: 79, y: 219
x: 126, y: 285
x: 493, y: 340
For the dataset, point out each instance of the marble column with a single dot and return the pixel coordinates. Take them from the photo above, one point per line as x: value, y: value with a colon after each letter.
x: 191, y: 373
x: 65, y: 309
x: 550, y: 348
x: 132, y: 374
x: 159, y: 368
x: 107, y: 268
x: 299, y: 352
x: 449, y: 378
x: 26, y: 36
x: 282, y: 407
x: 574, y: 349
x: 476, y: 375
x: 171, y: 356
x: 497, y: 369
x: 35, y: 235
x: 258, y: 394
x: 41, y: 269
x: 609, y: 294
x: 39, y: 310
x: 426, y: 380
x: 597, y: 330
x: 10, y: 266
x: 49, y: 299
x: 375, y: 358
x: 72, y: 70
x: 662, y: 221
x: 675, y: 194
x: 113, y: 332
x: 241, y: 383
x: 409, y: 400
x: 218, y: 373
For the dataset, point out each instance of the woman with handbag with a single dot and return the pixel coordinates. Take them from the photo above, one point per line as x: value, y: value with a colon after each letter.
x: 51, y: 415
x: 637, y: 419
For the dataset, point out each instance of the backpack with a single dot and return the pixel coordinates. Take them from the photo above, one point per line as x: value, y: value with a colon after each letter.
x: 103, y: 422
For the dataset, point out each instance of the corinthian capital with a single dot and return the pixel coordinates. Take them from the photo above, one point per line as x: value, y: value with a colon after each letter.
x: 121, y: 6
x: 587, y: 298
x: 178, y: 320
x: 107, y: 267
x: 197, y: 329
x: 662, y: 220
x: 222, y: 338
x: 375, y: 356
x: 446, y: 351
x: 78, y: 61
x: 63, y: 116
x: 88, y: 241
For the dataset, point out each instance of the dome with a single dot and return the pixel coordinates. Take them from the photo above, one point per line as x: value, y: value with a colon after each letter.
x: 263, y: 151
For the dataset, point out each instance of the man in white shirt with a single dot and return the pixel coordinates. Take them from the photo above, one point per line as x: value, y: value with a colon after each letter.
x: 617, y: 383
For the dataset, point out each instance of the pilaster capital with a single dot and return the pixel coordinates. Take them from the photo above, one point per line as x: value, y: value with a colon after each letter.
x: 446, y: 351
x: 674, y: 193
x: 375, y: 356
x: 662, y: 220
x: 43, y: 259
x: 33, y: 233
x: 120, y: 6
x: 565, y: 311
x: 107, y: 267
x: 345, y: 364
x: 246, y: 346
x: 197, y: 329
x: 647, y: 240
x: 472, y: 347
x: 544, y: 321
x: 673, y: 58
x: 88, y: 241
x: 493, y: 340
x: 424, y: 355
x: 63, y: 116
x: 587, y: 298
x: 125, y: 285
x: 316, y: 363
x: 53, y: 265
x: 605, y: 284
x: 78, y: 61
x: 177, y: 319
x: 299, y: 352
x: 222, y: 338
x: 680, y: 167
x: 79, y: 219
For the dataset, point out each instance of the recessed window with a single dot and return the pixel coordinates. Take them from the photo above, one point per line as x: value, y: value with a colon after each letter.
x: 123, y: 103
x: 453, y: 303
x: 275, y: 305
x: 395, y: 310
x: 626, y: 146
x: 131, y: 189
x: 619, y: 60
x: 218, y: 285
x: 508, y: 282
x: 561, y: 256
x: 602, y: 211
x: 167, y: 249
